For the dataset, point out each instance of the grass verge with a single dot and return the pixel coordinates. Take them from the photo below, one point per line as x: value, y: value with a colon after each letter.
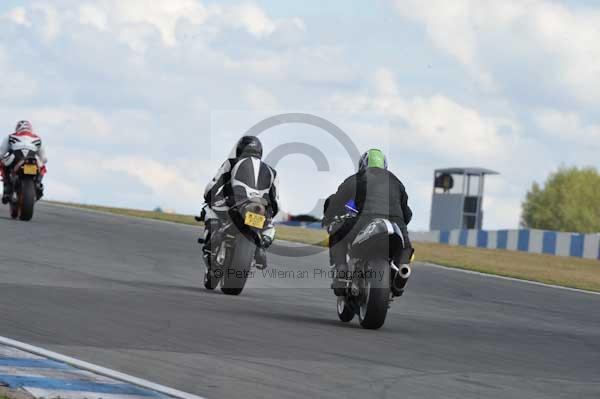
x: 166, y: 217
x: 557, y: 270
x: 8, y: 393
x: 564, y: 271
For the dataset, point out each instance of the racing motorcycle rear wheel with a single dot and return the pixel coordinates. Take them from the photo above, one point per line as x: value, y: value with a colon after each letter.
x: 27, y: 198
x: 376, y: 293
x: 237, y: 271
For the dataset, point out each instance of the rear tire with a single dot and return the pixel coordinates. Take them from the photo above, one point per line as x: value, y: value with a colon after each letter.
x: 374, y: 311
x: 343, y: 310
x: 235, y: 276
x: 26, y: 199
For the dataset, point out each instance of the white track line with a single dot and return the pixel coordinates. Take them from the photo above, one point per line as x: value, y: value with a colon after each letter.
x: 99, y: 369
x: 518, y: 280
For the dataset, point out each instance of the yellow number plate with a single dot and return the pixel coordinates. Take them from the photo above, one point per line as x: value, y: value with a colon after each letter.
x: 30, y: 169
x: 255, y: 220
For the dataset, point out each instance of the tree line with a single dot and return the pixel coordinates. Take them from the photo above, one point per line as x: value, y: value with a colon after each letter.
x: 569, y: 200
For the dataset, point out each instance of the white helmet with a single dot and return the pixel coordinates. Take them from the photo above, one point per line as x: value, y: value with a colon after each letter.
x: 23, y: 126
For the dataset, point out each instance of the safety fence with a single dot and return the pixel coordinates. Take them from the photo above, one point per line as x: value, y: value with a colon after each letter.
x: 524, y: 240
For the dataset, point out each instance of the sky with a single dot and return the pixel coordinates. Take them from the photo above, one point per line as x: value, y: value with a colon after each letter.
x: 139, y: 102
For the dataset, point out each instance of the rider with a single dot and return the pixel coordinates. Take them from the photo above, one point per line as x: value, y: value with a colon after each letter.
x: 23, y: 135
x: 373, y: 192
x: 244, y: 169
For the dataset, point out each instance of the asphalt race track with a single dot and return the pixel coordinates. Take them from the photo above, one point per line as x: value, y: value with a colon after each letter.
x: 127, y: 294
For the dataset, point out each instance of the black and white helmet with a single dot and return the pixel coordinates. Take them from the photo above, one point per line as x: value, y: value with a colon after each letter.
x: 249, y: 146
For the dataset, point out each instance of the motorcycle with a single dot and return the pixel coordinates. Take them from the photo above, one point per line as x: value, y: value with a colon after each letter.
x: 25, y: 172
x: 233, y: 246
x: 374, y: 280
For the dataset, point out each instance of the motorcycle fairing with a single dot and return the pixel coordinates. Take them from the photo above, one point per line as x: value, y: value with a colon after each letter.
x: 381, y: 236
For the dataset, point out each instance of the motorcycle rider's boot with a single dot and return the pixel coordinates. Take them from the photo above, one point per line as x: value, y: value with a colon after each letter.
x: 206, y: 250
x: 210, y: 226
x: 340, y: 279
x: 6, y: 194
x: 260, y: 257
x: 39, y: 190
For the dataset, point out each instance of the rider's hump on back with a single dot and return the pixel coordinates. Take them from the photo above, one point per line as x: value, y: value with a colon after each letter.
x: 252, y: 178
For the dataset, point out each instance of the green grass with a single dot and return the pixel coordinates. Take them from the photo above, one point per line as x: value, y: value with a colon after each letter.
x: 305, y: 236
x: 8, y: 393
x: 557, y: 270
x: 563, y: 271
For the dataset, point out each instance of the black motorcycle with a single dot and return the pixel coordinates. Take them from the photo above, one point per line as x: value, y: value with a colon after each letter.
x: 233, y: 246
x: 374, y: 280
x: 25, y: 177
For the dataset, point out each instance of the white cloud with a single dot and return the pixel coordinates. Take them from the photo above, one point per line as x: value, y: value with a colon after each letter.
x: 259, y: 98
x: 17, y: 15
x: 250, y: 17
x: 568, y: 127
x: 91, y: 14
x: 50, y: 24
x: 55, y: 189
x: 166, y: 182
x: 15, y: 85
x: 66, y: 124
x: 435, y: 124
x: 384, y: 82
x: 134, y: 21
x: 557, y: 42
x: 138, y: 23
x: 313, y: 65
x: 429, y: 132
x: 163, y: 15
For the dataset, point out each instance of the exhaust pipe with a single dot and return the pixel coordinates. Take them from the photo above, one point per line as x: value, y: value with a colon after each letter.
x: 400, y: 278
x: 405, y: 271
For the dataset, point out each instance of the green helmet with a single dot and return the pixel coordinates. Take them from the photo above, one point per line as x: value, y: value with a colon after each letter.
x: 373, y: 158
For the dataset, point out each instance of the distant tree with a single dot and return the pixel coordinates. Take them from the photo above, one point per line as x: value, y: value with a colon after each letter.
x: 569, y: 201
x: 158, y: 209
